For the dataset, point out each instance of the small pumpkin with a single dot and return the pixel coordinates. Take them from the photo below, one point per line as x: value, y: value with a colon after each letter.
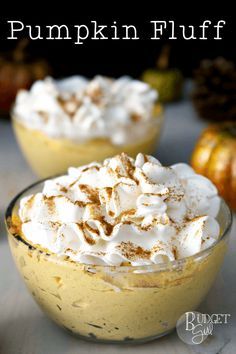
x: 166, y: 80
x: 18, y: 71
x: 214, y: 156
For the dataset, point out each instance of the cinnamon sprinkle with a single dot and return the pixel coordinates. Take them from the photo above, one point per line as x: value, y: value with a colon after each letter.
x: 95, y: 95
x: 63, y: 189
x: 70, y: 106
x: 92, y: 193
x: 49, y: 201
x: 135, y: 117
x: 88, y: 239
x: 30, y: 201
x: 132, y: 251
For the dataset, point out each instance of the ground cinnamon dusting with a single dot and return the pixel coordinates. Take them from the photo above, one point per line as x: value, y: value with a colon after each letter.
x: 108, y: 227
x: 63, y: 189
x: 92, y: 193
x: 88, y: 239
x: 80, y: 204
x: 133, y: 252
x: 30, y: 202
x: 108, y: 191
x: 129, y: 167
x: 69, y: 106
x: 90, y: 228
x: 95, y: 95
x: 135, y: 117
x: 44, y: 116
x: 90, y: 168
x: 49, y: 201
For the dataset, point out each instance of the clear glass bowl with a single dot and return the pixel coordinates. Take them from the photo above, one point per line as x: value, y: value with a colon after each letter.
x: 116, y: 304
x: 49, y: 156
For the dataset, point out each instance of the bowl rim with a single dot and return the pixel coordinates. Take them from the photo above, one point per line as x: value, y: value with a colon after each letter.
x: 120, y: 268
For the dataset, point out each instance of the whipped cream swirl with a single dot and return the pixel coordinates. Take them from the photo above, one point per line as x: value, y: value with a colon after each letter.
x: 123, y: 210
x: 78, y: 109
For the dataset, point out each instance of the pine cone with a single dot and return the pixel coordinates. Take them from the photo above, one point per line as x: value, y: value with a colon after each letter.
x: 214, y: 96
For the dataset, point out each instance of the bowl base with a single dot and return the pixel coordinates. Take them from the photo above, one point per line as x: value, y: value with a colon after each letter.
x: 125, y: 341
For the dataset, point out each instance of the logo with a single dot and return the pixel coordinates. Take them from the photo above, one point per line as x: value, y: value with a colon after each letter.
x: 194, y: 327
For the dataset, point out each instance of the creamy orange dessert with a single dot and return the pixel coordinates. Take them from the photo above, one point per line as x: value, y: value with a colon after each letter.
x: 118, y: 251
x: 74, y: 121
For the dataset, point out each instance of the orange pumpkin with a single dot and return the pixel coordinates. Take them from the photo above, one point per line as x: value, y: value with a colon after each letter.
x: 18, y: 71
x: 214, y: 156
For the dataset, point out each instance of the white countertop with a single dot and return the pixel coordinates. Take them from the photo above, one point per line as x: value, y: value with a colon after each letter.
x: 23, y: 327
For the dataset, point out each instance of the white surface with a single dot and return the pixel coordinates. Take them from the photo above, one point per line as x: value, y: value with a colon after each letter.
x: 23, y: 327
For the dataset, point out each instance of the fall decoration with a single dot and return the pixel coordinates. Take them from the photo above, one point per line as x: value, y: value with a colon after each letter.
x: 167, y: 81
x: 18, y: 71
x: 214, y: 95
x: 215, y: 157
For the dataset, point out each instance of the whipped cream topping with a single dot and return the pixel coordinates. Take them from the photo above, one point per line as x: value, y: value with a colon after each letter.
x: 79, y: 109
x: 123, y: 210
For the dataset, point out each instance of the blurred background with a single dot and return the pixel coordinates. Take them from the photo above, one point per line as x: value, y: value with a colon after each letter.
x: 167, y: 65
x: 115, y: 58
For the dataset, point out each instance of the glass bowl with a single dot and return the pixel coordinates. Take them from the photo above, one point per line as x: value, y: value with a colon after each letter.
x: 49, y: 156
x: 115, y: 304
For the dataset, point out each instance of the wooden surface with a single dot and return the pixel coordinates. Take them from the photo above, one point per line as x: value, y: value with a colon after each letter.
x: 23, y: 327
